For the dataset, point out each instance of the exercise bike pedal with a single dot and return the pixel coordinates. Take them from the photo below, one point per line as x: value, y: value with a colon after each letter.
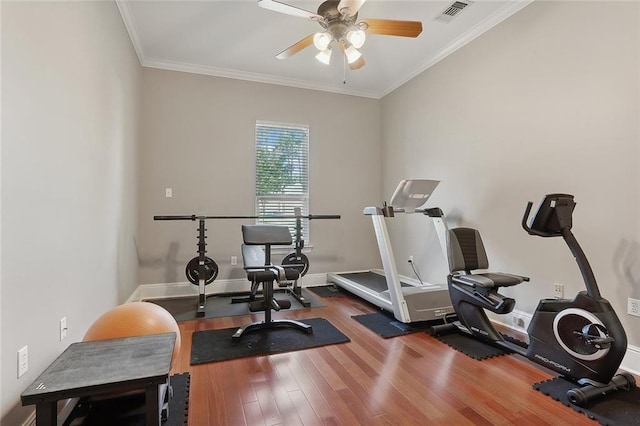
x: 601, y: 343
x: 602, y: 340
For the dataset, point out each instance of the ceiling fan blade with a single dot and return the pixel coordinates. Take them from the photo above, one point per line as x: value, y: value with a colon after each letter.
x: 293, y: 49
x: 353, y: 6
x: 356, y: 65
x: 287, y: 9
x: 393, y: 28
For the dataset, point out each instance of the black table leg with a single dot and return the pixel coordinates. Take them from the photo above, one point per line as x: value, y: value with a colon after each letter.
x: 152, y: 404
x: 46, y: 414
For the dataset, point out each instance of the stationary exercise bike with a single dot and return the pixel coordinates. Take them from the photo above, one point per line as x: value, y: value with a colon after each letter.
x: 581, y: 339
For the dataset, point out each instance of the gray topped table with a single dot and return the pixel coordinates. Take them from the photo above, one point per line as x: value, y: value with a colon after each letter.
x: 103, y: 367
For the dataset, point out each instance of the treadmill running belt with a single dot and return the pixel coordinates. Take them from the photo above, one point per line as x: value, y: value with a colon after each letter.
x: 370, y: 280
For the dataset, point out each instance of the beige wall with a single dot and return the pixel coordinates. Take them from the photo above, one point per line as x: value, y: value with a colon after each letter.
x: 70, y: 81
x: 198, y: 139
x: 548, y: 101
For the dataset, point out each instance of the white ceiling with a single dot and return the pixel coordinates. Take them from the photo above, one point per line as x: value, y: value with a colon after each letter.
x: 238, y: 39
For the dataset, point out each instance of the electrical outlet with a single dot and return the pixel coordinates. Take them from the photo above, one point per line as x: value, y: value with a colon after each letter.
x: 411, y: 259
x: 168, y: 192
x: 23, y: 361
x: 518, y: 321
x: 63, y: 328
x: 558, y: 291
x: 234, y: 260
x: 633, y: 307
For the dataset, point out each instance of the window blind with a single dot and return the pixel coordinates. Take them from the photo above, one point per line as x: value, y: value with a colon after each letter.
x: 282, y: 173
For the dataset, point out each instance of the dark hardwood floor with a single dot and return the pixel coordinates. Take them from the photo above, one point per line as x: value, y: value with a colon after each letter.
x: 407, y: 380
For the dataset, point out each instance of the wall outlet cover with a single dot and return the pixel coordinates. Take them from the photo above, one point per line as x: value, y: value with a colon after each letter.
x: 633, y: 307
x: 23, y: 361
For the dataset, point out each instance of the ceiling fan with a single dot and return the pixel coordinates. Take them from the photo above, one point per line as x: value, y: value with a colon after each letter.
x: 339, y: 20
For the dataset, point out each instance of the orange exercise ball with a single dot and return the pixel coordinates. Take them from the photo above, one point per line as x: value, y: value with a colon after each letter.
x: 134, y: 319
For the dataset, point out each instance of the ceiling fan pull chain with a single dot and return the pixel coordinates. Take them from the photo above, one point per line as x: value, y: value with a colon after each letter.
x: 344, y: 69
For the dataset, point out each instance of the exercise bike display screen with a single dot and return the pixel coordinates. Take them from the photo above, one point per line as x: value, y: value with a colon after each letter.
x: 547, y: 220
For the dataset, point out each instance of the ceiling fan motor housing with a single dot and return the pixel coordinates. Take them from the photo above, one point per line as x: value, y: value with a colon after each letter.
x: 329, y: 11
x: 333, y: 21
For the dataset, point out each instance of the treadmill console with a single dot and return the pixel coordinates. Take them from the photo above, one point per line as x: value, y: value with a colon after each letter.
x: 412, y: 194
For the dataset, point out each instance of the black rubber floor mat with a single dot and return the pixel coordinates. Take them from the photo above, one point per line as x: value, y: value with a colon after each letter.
x: 128, y: 410
x: 385, y: 324
x: 616, y: 409
x: 217, y: 345
x: 471, y: 347
x: 218, y: 306
x: 327, y: 290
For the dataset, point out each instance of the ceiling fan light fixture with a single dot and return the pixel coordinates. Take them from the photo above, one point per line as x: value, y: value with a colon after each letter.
x: 352, y: 54
x: 324, y: 56
x: 356, y: 38
x: 322, y: 40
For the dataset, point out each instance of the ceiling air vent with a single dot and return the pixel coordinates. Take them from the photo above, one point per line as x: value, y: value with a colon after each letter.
x: 451, y: 11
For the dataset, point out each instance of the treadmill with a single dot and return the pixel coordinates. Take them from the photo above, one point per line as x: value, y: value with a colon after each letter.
x: 408, y: 299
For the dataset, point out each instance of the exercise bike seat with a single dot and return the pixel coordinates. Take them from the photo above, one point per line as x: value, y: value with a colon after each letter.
x: 465, y: 252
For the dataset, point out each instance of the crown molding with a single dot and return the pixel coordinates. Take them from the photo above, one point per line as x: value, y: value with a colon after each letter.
x: 248, y: 76
x: 484, y: 26
x: 130, y: 25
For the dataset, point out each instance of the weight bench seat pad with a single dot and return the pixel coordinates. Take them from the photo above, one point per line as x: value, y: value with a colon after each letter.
x: 267, y: 275
x: 261, y: 276
x: 260, y: 235
x: 489, y: 279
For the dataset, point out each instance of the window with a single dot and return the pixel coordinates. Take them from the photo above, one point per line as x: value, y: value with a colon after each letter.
x: 282, y: 173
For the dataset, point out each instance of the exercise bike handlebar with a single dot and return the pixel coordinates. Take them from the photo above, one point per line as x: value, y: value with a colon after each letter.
x: 579, y: 256
x: 527, y: 228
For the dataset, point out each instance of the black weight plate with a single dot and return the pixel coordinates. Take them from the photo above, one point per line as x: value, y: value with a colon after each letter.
x: 192, y: 270
x: 303, y: 261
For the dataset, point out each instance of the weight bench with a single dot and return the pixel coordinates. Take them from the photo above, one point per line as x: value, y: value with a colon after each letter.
x: 253, y: 257
x: 265, y: 275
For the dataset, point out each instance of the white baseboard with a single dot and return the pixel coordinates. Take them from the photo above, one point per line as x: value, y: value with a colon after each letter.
x: 182, y: 289
x: 631, y: 361
x: 515, y: 320
x: 31, y: 420
x: 519, y: 321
